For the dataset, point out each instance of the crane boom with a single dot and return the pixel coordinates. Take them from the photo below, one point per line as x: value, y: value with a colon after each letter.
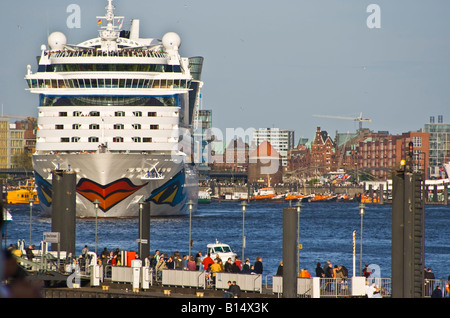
x: 360, y: 119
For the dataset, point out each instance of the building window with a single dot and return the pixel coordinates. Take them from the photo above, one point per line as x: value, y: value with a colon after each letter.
x: 119, y: 114
x: 137, y: 113
x: 62, y: 114
x: 136, y: 126
x: 118, y: 139
x: 118, y: 126
x: 65, y: 139
x: 147, y: 139
x: 93, y: 139
x: 76, y: 126
x: 151, y: 114
x: 417, y: 142
x: 59, y: 126
x: 136, y: 139
x: 76, y: 113
x: 94, y: 126
x: 94, y: 113
x: 75, y: 139
x: 154, y: 127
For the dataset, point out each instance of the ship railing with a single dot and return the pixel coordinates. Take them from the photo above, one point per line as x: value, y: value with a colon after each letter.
x: 99, y: 53
x: 431, y: 284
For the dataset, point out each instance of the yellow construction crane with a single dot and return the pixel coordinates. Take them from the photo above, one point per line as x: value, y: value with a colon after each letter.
x: 359, y: 119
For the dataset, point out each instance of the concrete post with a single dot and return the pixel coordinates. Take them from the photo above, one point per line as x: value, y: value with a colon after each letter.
x: 64, y: 209
x: 289, y: 253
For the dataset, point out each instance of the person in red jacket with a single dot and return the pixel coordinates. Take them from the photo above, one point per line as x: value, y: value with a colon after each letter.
x: 207, y: 261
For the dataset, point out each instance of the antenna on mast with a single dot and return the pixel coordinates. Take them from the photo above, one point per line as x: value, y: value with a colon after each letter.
x: 110, y: 32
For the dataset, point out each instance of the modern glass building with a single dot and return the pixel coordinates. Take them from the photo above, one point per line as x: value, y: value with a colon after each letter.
x: 439, y: 145
x: 281, y: 140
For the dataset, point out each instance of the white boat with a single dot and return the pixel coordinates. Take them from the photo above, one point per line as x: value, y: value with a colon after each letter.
x: 204, y: 197
x: 112, y: 109
x: 223, y: 250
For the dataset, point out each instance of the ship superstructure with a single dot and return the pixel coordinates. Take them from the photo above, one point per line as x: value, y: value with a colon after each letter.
x: 113, y: 109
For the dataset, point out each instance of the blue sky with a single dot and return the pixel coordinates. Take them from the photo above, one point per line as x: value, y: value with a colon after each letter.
x: 267, y: 63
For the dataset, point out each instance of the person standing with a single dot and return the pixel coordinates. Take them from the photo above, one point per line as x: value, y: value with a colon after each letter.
x: 280, y: 269
x: 319, y: 271
x: 246, y: 267
x: 207, y: 261
x: 258, y: 265
x: 191, y: 264
x: 198, y: 260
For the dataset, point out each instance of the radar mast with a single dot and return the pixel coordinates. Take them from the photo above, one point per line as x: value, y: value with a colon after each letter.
x: 111, y: 32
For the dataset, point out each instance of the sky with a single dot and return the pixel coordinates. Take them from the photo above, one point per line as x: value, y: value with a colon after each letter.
x: 270, y: 64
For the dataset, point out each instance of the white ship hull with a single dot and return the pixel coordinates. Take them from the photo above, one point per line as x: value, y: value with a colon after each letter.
x: 120, y: 181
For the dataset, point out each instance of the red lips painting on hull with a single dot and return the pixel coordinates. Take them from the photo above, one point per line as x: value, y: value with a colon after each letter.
x: 108, y: 195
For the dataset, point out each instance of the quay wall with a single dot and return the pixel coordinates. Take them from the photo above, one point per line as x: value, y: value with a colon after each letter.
x: 351, y: 191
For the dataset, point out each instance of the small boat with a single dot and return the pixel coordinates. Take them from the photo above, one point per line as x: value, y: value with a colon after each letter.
x: 323, y: 197
x: 223, y: 250
x: 267, y: 194
x: 24, y: 194
x: 344, y: 198
x: 204, y: 197
x: 298, y: 197
x: 367, y: 199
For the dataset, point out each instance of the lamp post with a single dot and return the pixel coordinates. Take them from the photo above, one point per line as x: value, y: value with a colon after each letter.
x: 244, y: 207
x: 190, y: 205
x: 298, y: 205
x: 31, y: 201
x: 141, y: 206
x: 361, y: 212
x: 96, y: 203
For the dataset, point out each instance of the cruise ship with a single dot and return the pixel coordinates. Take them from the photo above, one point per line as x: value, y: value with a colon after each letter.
x: 117, y: 110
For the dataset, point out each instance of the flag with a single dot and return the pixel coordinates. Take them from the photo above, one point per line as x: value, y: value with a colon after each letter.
x: 99, y: 22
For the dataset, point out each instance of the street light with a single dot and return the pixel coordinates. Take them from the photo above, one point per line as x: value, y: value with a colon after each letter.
x: 96, y: 203
x: 244, y: 207
x: 361, y: 212
x: 298, y: 205
x: 141, y: 207
x: 31, y: 214
x: 190, y: 205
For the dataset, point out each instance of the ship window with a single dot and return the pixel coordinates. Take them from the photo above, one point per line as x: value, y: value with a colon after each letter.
x: 118, y: 126
x: 76, y: 126
x: 65, y: 139
x: 151, y: 114
x: 154, y: 127
x: 94, y: 113
x: 62, y: 114
x: 136, y: 139
x: 118, y: 139
x: 75, y: 139
x: 93, y: 139
x: 136, y: 126
x: 59, y: 126
x: 137, y: 114
x: 94, y: 126
x: 147, y: 139
x: 119, y: 114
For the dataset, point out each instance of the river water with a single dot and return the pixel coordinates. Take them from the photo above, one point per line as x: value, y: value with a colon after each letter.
x: 326, y: 233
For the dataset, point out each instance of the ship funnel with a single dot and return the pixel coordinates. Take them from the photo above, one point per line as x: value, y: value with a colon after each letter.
x: 134, y: 30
